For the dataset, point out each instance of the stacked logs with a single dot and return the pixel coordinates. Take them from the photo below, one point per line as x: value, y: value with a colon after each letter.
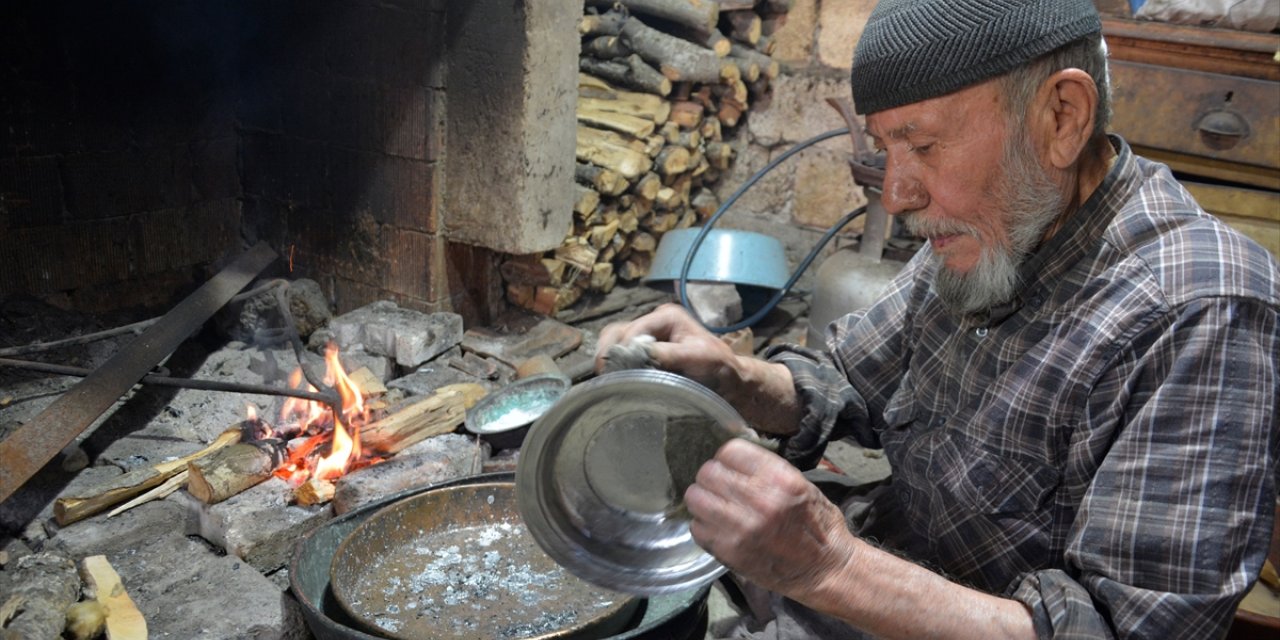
x: 662, y: 86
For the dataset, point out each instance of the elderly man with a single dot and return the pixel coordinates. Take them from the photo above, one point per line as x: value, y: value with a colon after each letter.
x: 1075, y: 381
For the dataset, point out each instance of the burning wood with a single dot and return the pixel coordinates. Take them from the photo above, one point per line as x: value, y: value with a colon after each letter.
x: 234, y: 469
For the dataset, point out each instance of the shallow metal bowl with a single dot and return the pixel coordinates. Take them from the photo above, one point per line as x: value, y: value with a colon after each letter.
x: 503, y: 417
x: 675, y: 616
x: 458, y: 563
x: 601, y: 478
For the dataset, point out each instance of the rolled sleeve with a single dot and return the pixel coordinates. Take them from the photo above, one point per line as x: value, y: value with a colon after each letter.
x: 831, y: 408
x: 1061, y: 608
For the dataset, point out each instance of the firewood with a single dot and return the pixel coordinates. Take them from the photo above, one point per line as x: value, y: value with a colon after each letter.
x: 604, y: 181
x: 732, y: 90
x: 168, y: 487
x: 578, y: 253
x: 730, y: 112
x: 603, y: 278
x: 765, y: 45
x: 736, y: 5
x: 691, y: 140
x: 124, y: 620
x: 637, y: 266
x: 631, y: 103
x: 585, y: 200
x: 769, y: 68
x: 695, y: 14
x: 610, y: 151
x: 314, y: 491
x: 631, y: 71
x: 369, y: 384
x: 743, y: 26
x: 89, y: 501
x: 675, y: 58
x: 671, y: 160
x: 653, y: 145
x: 589, y: 85
x: 660, y: 222
x: 777, y: 6
x: 670, y: 132
x: 749, y: 68
x: 710, y: 129
x: 609, y: 211
x: 682, y: 183
x: 667, y: 200
x: 629, y: 220
x: 606, y: 47
x: 687, y: 114
x: 688, y: 218
x: 704, y: 202
x: 700, y: 166
x: 719, y: 154
x: 601, y: 235
x: 647, y: 186
x: 643, y: 241
x: 608, y: 23
x: 532, y: 270
x: 233, y: 469
x: 441, y: 412
x: 718, y: 43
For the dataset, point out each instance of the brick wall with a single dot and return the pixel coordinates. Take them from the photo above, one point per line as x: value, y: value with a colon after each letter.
x: 145, y: 142
x: 117, y: 149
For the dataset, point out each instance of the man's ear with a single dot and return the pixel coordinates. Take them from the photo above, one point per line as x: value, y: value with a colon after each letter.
x: 1066, y: 103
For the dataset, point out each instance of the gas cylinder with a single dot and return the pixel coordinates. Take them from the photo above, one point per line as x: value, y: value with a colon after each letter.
x: 853, y: 277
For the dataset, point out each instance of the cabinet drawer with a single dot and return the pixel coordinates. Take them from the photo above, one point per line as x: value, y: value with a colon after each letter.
x: 1208, y: 124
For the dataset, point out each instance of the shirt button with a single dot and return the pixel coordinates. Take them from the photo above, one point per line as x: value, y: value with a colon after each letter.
x: 981, y: 332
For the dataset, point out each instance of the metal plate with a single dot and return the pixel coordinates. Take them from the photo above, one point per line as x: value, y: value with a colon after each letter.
x: 502, y: 417
x: 675, y: 616
x: 458, y: 563
x: 601, y: 479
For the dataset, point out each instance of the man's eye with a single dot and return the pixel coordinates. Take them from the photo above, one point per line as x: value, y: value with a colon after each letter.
x: 922, y: 149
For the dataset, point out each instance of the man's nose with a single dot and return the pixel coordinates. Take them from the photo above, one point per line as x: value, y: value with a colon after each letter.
x: 902, y: 191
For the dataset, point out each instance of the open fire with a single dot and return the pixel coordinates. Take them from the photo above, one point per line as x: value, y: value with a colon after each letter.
x: 309, y: 426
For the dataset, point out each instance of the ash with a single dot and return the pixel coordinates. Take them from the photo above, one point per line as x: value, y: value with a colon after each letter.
x: 488, y: 581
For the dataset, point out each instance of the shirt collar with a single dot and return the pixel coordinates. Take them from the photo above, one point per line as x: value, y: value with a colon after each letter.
x: 1077, y: 238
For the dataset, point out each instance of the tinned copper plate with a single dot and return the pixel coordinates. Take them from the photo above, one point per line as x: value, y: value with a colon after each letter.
x: 459, y: 563
x: 602, y: 475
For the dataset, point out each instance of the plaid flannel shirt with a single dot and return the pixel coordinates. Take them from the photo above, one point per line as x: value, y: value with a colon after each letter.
x: 1103, y: 448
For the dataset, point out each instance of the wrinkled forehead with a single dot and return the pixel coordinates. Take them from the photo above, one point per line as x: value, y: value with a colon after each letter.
x: 977, y: 109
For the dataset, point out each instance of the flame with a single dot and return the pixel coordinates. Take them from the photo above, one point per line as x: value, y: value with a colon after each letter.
x: 342, y: 432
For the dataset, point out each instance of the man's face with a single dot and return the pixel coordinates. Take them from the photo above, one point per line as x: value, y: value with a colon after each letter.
x: 967, y: 180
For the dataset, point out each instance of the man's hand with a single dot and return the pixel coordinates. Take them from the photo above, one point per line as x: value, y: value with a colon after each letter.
x: 762, y: 392
x: 759, y: 516
x: 682, y: 345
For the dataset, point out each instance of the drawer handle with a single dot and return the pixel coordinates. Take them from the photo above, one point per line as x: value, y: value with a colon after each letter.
x: 1222, y: 129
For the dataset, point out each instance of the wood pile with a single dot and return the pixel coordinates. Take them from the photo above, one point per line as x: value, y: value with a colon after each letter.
x: 662, y: 86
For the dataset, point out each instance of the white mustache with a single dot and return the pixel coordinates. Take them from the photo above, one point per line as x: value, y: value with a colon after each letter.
x: 927, y: 228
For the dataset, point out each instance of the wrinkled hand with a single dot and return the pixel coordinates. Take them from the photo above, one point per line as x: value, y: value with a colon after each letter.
x: 682, y: 346
x: 759, y: 516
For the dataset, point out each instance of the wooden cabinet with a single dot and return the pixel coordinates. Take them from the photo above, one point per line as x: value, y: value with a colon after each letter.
x: 1207, y: 103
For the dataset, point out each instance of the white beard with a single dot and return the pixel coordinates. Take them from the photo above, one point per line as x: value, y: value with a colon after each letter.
x: 1027, y: 202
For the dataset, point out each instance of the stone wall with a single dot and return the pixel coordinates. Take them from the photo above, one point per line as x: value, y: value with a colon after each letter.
x: 810, y: 191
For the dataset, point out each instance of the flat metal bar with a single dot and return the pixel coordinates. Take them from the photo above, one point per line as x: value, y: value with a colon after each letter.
x: 35, y: 443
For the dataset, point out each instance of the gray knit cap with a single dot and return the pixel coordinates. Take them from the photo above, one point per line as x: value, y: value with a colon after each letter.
x: 913, y: 50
